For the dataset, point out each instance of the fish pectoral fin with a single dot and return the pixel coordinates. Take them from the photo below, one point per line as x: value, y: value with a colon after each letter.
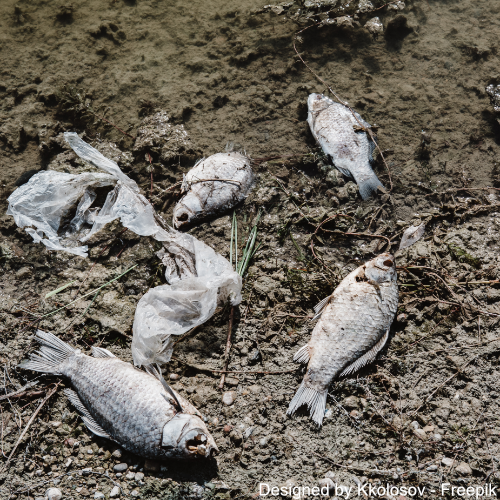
x: 318, y: 308
x: 368, y: 357
x: 87, y: 418
x: 156, y: 372
x: 302, y: 355
x: 100, y: 352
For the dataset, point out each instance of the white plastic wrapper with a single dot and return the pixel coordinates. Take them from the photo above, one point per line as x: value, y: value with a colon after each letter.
x: 49, y: 196
x: 199, y: 280
x: 411, y: 236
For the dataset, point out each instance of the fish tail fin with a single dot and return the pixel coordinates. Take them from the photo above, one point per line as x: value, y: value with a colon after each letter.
x: 369, y: 186
x: 52, y: 353
x: 313, y: 398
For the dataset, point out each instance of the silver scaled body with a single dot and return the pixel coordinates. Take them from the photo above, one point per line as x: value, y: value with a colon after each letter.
x: 352, y: 329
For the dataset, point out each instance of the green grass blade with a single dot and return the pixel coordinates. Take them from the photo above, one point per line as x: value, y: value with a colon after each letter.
x: 60, y: 289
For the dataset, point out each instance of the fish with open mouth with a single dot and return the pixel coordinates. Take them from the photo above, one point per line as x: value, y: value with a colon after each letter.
x: 137, y: 410
x: 342, y: 136
x: 213, y: 186
x: 353, y: 328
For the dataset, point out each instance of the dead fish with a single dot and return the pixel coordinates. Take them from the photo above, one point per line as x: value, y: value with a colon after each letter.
x: 353, y: 328
x: 138, y: 410
x: 341, y: 135
x: 205, y: 196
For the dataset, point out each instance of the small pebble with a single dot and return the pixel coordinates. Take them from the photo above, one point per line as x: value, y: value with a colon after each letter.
x: 463, y: 469
x: 90, y: 451
x: 330, y: 474
x: 432, y: 468
x: 115, y: 492
x: 68, y: 462
x: 98, y: 495
x: 135, y: 493
x: 420, y: 433
x: 120, y: 467
x: 227, y: 428
x: 130, y: 475
x: 438, y: 437
x: 448, y: 462
x: 174, y: 376
x: 119, y: 475
x: 117, y: 453
x: 53, y: 494
x: 139, y: 476
x: 229, y: 397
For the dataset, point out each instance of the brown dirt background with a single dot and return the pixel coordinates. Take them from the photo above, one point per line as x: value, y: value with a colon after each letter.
x: 227, y: 71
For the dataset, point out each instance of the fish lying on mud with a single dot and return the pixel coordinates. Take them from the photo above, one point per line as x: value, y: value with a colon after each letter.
x: 353, y: 328
x: 138, y: 410
x: 205, y: 196
x: 341, y: 135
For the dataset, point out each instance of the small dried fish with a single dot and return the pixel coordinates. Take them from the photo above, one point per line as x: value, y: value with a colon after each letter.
x: 136, y: 409
x: 412, y: 235
x: 342, y: 136
x: 207, y: 196
x: 352, y: 330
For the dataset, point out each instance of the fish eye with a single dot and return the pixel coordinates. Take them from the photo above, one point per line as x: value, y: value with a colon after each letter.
x: 388, y: 263
x: 183, y: 217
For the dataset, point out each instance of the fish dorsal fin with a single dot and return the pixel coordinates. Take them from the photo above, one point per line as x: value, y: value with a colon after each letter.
x: 100, y: 352
x: 87, y: 418
x: 155, y: 372
x: 302, y: 355
x: 318, y: 308
x: 368, y: 357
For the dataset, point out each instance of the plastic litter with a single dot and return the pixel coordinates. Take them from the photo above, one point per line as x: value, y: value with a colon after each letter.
x: 411, y: 236
x: 199, y: 280
x: 47, y: 198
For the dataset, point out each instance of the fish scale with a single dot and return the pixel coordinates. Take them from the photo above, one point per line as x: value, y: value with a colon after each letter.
x: 352, y: 329
x: 118, y: 401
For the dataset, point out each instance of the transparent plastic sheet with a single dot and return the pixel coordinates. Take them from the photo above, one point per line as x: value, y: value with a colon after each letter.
x: 49, y: 196
x: 199, y: 280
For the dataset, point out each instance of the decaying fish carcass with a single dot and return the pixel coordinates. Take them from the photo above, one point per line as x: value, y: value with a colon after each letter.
x: 342, y: 134
x: 136, y: 409
x: 353, y: 328
x: 213, y: 186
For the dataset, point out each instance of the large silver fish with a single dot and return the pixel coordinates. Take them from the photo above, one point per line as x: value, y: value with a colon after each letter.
x: 340, y: 134
x: 206, y: 196
x: 353, y: 328
x: 136, y: 409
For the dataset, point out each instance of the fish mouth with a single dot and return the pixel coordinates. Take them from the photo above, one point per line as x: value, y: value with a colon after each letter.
x: 198, y: 444
x: 186, y: 436
x: 182, y: 217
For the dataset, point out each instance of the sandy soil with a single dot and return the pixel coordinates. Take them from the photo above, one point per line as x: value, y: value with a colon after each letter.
x: 228, y: 72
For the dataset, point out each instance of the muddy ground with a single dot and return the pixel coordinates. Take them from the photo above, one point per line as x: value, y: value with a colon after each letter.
x: 228, y: 72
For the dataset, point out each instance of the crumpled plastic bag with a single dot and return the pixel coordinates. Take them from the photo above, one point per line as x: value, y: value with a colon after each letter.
x: 199, y: 280
x: 48, y: 197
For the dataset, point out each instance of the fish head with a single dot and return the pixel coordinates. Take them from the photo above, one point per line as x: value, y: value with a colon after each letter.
x: 186, y: 211
x: 381, y: 269
x: 317, y: 103
x: 186, y: 436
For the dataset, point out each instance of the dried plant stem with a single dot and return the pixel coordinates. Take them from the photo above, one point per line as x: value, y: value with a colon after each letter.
x: 31, y: 420
x: 228, y: 348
